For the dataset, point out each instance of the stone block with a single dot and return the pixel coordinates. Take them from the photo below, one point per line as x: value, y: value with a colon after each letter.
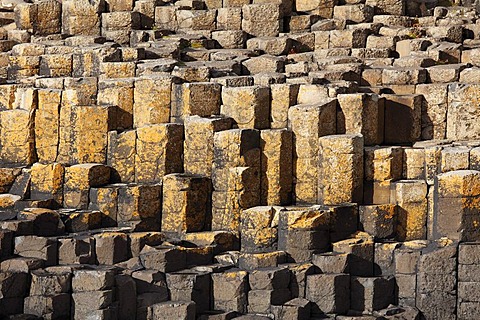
x: 83, y: 133
x: 329, y: 293
x: 283, y: 97
x: 76, y: 250
x: 165, y: 259
x: 159, y: 152
x: 229, y: 18
x: 258, y: 229
x: 384, y: 258
x: 105, y: 200
x: 354, y: 13
x: 252, y: 261
x: 298, y: 279
x: 322, y: 8
x: 383, y: 164
x: 81, y: 17
x: 8, y: 175
x: 260, y: 301
x: 434, y: 122
x: 455, y: 158
x: 50, y: 307
x: 411, y: 200
x: 262, y: 20
x: 186, y: 203
x: 235, y: 148
x: 46, y: 283
x: 81, y: 220
x: 17, y: 141
x: 169, y: 309
x: 303, y: 232
x: 392, y: 7
x: 118, y: 92
x: 98, y: 279
x: 91, y: 300
x: 221, y: 241
x: 269, y: 278
x: 295, y: 309
x: 263, y: 64
x: 228, y: 205
x: 47, y: 124
x: 230, y: 291
x: 402, y: 118
x: 78, y: 180
x: 332, y: 262
x: 188, y: 286
x: 248, y: 106
x: 361, y: 254
x: 45, y: 222
x: 165, y: 17
x: 41, y: 18
x: 140, y: 203
x: 308, y: 123
x: 37, y: 247
x: 119, y: 5
x: 199, y: 98
x: 199, y: 143
x: 436, y: 282
x: 121, y: 150
x: 230, y: 39
x: 56, y: 65
x: 336, y: 185
x: 87, y: 62
x: 455, y: 206
x: 152, y: 99
x: 356, y: 38
x: 111, y: 248
x: 364, y: 114
x: 369, y: 294
x: 414, y: 163
x: 379, y: 220
x: 276, y: 164
x: 461, y: 113
x: 196, y: 19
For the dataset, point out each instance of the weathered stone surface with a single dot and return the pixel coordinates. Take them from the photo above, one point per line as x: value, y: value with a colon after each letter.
x: 363, y: 114
x: 304, y: 231
x: 340, y: 169
x: 456, y: 198
x: 159, y: 150
x: 186, y: 203
x: 411, y: 200
x: 276, y: 165
x: 199, y: 143
x: 248, y: 106
x: 259, y: 227
x: 329, y: 293
x: 308, y: 123
x: 230, y: 291
x: 152, y: 100
x: 460, y: 123
x: 146, y: 149
x: 402, y: 118
x: 78, y: 180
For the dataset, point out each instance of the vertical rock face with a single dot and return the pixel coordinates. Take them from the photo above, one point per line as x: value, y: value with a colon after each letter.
x: 341, y: 169
x: 462, y: 112
x: 308, y: 123
x: 457, y: 205
x: 250, y: 159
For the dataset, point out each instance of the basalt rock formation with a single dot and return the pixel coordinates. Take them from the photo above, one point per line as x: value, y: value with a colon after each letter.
x: 247, y: 159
